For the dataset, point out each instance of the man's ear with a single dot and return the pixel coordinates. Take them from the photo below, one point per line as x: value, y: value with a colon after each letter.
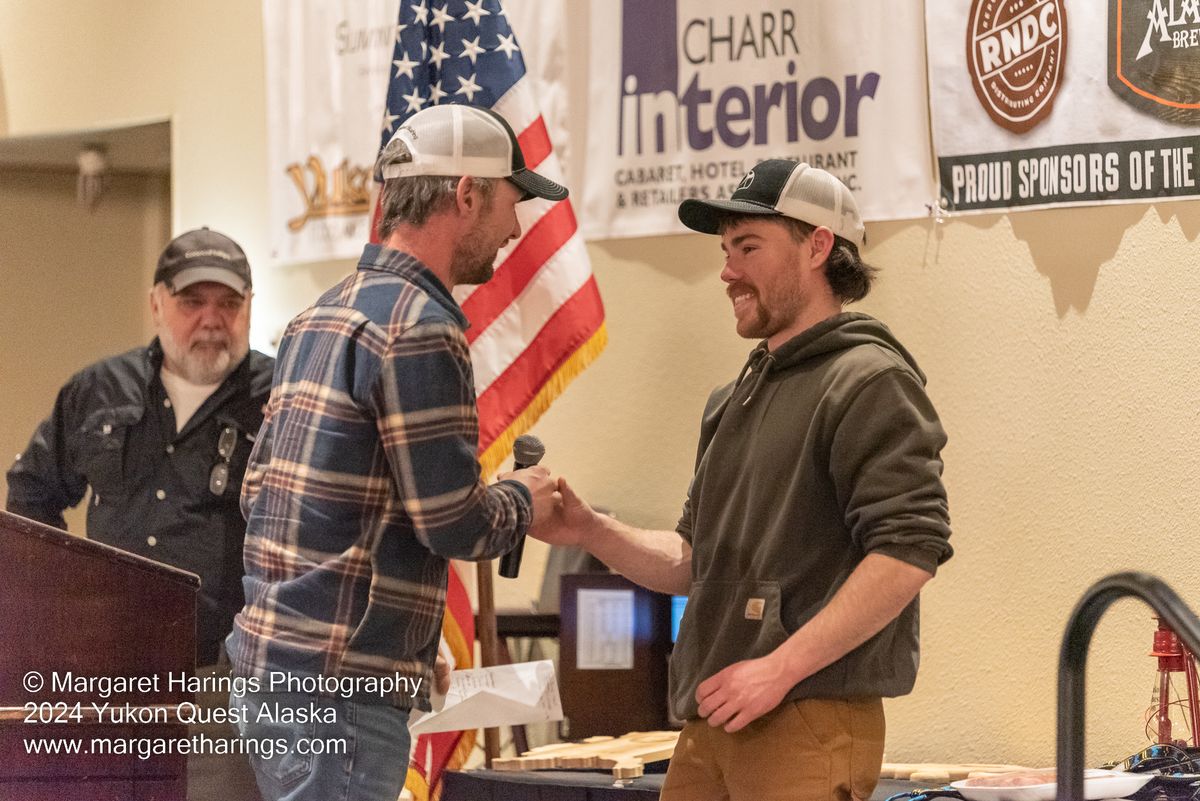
x: 466, y: 195
x: 154, y: 304
x: 821, y: 244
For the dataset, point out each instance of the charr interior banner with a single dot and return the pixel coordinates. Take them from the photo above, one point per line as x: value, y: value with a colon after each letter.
x: 1040, y: 103
x: 327, y: 64
x: 688, y: 95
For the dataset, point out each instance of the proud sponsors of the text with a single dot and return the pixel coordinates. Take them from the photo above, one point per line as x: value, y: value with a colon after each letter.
x: 1065, y: 174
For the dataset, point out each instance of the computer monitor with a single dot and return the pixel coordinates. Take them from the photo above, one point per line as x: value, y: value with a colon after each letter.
x: 678, y: 602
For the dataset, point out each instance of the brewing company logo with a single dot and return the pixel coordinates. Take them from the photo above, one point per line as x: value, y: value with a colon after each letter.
x: 1015, y: 54
x: 1154, y: 56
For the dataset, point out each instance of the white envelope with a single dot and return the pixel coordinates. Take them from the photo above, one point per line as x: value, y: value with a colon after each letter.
x: 505, y: 695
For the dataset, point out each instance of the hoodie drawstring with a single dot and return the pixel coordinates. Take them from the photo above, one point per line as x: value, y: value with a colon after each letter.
x: 766, y: 362
x: 751, y: 362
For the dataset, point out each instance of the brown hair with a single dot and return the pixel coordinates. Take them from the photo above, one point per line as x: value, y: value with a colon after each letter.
x: 412, y: 199
x: 849, y: 277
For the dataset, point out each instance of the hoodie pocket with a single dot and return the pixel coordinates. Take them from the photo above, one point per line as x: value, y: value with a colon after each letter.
x: 724, y: 622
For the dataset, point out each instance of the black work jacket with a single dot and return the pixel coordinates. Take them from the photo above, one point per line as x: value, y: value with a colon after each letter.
x: 113, y: 429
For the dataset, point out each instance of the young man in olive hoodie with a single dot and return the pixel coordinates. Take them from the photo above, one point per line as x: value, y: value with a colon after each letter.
x: 815, y: 516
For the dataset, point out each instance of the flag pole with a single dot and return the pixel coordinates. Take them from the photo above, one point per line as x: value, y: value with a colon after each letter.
x: 489, y: 644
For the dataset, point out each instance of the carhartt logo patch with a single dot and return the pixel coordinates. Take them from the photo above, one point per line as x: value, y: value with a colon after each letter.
x: 755, y: 607
x: 1015, y: 54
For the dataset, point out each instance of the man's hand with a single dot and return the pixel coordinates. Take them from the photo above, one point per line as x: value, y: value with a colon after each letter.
x: 571, y: 521
x: 542, y: 486
x: 743, y: 692
x: 441, y: 675
x: 873, y: 595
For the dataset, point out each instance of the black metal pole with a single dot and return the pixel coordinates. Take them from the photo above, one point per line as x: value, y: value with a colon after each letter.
x: 1072, y: 660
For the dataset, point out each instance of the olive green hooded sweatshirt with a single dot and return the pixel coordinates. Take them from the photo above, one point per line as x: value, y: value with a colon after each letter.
x: 822, y: 451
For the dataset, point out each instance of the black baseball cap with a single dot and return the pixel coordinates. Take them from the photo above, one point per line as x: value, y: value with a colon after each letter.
x: 783, y: 188
x: 203, y: 255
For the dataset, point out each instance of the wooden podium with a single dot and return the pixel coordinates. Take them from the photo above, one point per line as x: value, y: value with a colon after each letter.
x: 76, y: 616
x: 615, y: 640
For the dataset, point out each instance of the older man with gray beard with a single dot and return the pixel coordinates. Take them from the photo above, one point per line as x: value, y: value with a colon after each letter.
x: 161, y: 434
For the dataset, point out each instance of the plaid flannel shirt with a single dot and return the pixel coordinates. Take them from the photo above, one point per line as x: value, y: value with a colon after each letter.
x: 364, y: 482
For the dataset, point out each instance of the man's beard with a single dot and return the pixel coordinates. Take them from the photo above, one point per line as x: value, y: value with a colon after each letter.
x: 767, y: 320
x: 209, y: 359
x: 472, y: 262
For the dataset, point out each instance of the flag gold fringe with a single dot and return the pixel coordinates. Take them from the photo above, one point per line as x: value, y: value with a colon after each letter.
x: 463, y: 656
x: 500, y: 449
x: 415, y: 784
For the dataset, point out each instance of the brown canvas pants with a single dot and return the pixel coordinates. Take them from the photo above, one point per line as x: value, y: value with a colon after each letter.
x: 808, y: 750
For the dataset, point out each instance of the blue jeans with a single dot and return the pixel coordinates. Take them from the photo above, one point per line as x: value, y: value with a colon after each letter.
x: 341, y: 751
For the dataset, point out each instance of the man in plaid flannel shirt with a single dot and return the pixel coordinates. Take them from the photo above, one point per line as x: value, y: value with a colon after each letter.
x: 364, y: 481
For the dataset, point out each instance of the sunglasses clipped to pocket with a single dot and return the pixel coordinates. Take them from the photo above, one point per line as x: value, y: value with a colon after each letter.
x: 218, y: 479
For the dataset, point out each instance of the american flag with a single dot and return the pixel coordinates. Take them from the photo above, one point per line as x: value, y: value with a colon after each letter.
x: 539, y: 322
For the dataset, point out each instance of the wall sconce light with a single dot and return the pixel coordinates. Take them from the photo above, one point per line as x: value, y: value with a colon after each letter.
x: 93, y: 174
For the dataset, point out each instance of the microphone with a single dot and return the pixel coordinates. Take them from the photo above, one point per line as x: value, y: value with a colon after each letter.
x: 528, y: 450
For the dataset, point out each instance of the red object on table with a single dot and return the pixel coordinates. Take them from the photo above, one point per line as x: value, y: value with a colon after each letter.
x: 1173, y: 657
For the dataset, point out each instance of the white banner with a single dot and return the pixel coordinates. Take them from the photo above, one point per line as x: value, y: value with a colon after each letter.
x: 1042, y: 103
x: 327, y: 65
x: 327, y: 68
x: 688, y: 95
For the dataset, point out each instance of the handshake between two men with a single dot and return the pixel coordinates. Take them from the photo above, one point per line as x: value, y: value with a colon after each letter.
x: 560, y: 517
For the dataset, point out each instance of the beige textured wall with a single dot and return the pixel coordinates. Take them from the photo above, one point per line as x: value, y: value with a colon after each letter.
x: 75, y: 287
x: 1061, y: 348
x: 70, y: 65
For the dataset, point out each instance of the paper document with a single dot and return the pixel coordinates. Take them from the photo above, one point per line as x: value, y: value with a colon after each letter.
x: 604, y: 630
x: 505, y: 695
